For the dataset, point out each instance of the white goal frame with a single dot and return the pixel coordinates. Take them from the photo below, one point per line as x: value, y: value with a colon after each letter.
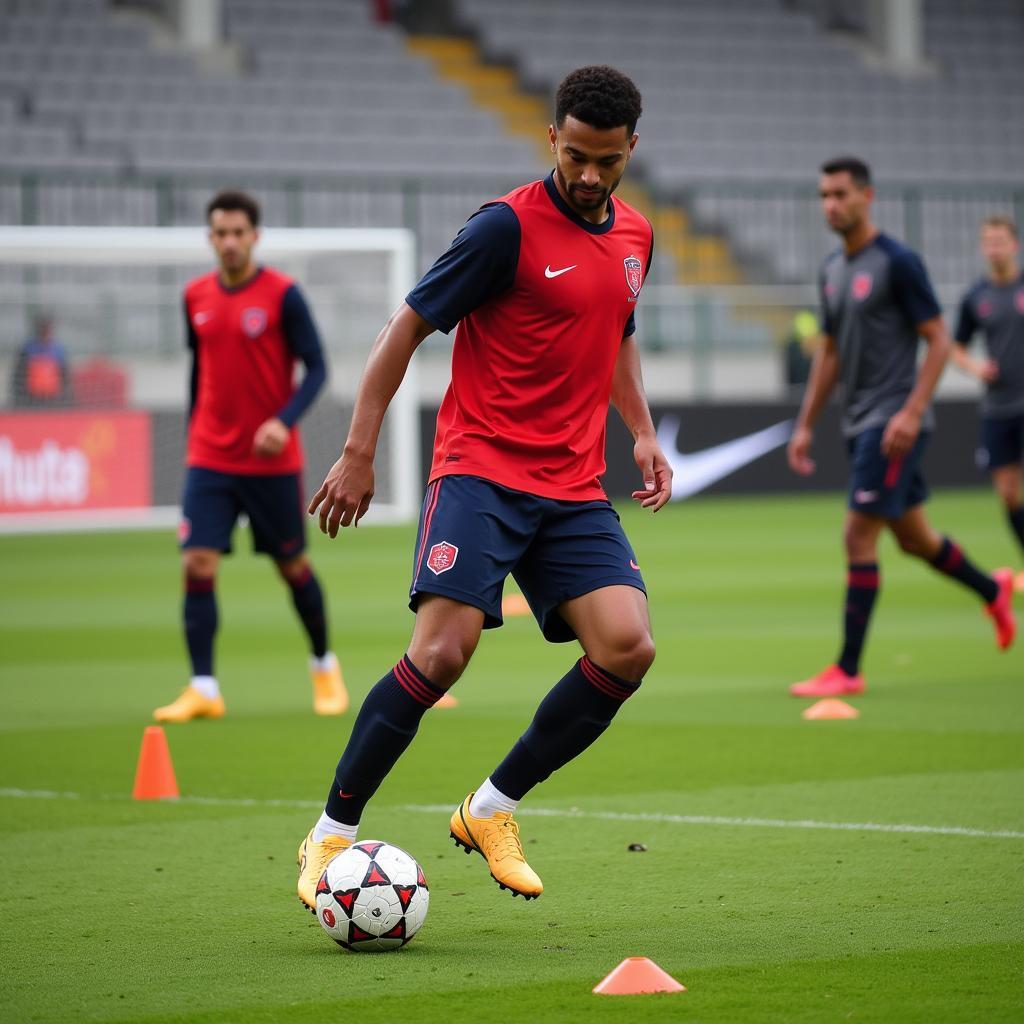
x: 78, y: 246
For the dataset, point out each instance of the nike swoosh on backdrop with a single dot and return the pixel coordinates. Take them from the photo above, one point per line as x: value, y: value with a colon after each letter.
x: 548, y: 272
x: 695, y: 471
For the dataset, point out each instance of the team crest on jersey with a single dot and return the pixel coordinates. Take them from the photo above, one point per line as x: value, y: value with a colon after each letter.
x: 634, y: 274
x: 442, y: 557
x: 1018, y: 300
x: 254, y: 321
x: 985, y: 308
x: 860, y: 288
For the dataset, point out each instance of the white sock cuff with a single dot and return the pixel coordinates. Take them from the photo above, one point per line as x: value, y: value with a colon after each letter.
x: 324, y: 664
x: 206, y: 685
x: 327, y: 826
x: 488, y: 800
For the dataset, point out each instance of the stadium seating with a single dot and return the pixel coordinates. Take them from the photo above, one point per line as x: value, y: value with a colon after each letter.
x: 740, y: 93
x: 742, y: 101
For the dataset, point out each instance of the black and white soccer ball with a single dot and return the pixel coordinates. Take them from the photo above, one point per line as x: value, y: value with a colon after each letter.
x: 372, y: 897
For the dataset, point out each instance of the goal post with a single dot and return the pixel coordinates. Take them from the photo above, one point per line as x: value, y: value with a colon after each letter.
x: 109, y: 452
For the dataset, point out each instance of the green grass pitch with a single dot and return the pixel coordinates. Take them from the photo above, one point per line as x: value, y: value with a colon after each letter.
x: 120, y: 911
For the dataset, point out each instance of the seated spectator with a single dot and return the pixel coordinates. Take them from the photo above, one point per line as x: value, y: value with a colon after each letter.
x: 41, y: 376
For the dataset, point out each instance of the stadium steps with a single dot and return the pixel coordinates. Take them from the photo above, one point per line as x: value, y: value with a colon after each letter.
x: 698, y: 258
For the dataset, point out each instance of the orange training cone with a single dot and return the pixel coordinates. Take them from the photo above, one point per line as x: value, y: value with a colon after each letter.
x: 514, y: 604
x: 446, y: 700
x: 154, y: 776
x: 830, y: 707
x: 635, y: 976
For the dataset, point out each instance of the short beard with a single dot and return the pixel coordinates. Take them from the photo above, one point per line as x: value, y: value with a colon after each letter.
x: 588, y: 204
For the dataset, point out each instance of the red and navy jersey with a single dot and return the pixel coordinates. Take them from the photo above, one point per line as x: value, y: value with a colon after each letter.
x: 542, y: 299
x: 997, y: 311
x: 246, y: 343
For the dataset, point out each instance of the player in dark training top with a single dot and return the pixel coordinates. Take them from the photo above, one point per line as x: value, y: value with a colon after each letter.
x: 540, y: 286
x: 994, y: 308
x: 248, y: 326
x: 877, y: 302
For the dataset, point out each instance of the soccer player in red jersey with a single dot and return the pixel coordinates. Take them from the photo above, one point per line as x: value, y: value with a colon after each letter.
x: 541, y: 286
x: 248, y: 326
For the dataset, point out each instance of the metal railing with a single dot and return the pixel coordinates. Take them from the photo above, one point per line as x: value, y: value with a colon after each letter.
x: 773, y: 229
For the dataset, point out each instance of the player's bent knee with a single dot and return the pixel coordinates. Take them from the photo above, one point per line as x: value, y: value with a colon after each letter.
x: 200, y: 563
x: 911, y: 544
x: 630, y: 657
x: 443, y: 660
x: 293, y: 569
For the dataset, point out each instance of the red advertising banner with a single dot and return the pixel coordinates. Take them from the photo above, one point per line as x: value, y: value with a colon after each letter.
x: 63, y: 461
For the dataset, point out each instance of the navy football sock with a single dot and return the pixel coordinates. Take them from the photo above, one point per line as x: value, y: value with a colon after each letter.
x: 861, y: 591
x: 308, y: 599
x: 574, y: 713
x: 384, y: 727
x: 1016, y: 518
x: 952, y: 561
x: 200, y: 618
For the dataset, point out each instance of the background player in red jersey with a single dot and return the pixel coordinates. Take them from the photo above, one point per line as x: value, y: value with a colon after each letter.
x: 247, y: 327
x: 541, y: 285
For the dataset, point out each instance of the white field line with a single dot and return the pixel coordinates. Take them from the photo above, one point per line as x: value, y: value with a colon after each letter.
x: 551, y: 812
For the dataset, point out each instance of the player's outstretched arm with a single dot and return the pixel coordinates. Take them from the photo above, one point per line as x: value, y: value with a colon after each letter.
x: 903, y: 427
x: 347, y: 491
x: 630, y: 400
x: 824, y: 374
x: 986, y: 370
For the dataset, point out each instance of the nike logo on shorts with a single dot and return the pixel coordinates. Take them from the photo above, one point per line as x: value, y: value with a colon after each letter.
x: 548, y: 272
x: 865, y: 497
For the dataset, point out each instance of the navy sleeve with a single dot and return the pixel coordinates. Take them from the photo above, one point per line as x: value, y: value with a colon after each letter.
x: 479, y: 264
x: 303, y: 339
x: 192, y: 341
x: 912, y: 289
x: 966, y: 322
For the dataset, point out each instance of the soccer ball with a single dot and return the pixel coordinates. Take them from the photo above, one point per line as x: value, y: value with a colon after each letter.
x: 372, y: 897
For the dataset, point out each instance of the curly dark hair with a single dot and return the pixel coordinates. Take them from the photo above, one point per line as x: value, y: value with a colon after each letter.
x: 599, y: 96
x: 232, y: 199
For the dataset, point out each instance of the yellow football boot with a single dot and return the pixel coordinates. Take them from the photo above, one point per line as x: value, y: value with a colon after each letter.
x: 191, y: 704
x: 329, y: 694
x: 496, y: 839
x: 312, y: 859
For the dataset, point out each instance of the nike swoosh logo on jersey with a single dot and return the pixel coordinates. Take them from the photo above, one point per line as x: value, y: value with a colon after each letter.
x: 201, y: 318
x: 548, y: 272
x: 694, y: 471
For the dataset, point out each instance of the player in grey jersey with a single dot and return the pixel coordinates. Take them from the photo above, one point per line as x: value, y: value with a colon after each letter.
x: 877, y: 302
x: 994, y: 308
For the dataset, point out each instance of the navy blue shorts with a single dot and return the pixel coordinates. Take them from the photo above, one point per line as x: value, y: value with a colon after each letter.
x: 880, y: 486
x: 274, y: 505
x: 473, y: 533
x: 1002, y: 442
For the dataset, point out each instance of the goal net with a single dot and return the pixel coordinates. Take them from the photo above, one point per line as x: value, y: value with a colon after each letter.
x: 97, y: 439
